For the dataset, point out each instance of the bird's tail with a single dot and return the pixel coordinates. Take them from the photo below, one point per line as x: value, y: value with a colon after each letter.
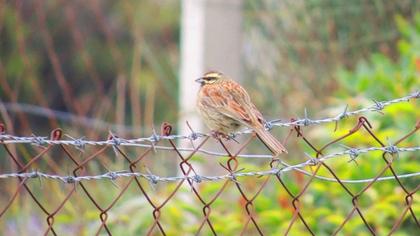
x: 270, y: 142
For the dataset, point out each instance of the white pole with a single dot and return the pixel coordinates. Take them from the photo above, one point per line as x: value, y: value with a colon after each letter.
x: 210, y: 40
x: 192, y: 60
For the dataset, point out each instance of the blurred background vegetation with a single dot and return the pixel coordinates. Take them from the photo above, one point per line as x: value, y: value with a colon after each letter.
x: 114, y: 65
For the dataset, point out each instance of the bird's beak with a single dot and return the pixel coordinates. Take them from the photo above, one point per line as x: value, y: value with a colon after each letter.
x: 200, y: 80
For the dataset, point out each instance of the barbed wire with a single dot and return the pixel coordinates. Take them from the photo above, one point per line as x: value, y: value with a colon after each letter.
x: 376, y: 107
x: 154, y: 179
x: 80, y: 144
x: 146, y: 142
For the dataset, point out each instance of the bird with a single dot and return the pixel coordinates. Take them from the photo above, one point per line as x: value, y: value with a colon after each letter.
x: 225, y: 107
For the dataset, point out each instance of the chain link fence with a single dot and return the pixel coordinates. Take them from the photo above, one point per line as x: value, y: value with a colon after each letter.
x: 57, y: 194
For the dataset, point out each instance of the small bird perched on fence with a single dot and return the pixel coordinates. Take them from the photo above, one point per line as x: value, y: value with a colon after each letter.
x: 225, y: 107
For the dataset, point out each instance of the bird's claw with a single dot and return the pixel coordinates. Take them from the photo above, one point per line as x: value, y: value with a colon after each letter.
x: 219, y: 135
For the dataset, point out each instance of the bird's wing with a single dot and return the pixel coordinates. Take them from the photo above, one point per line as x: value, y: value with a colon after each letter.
x: 230, y: 99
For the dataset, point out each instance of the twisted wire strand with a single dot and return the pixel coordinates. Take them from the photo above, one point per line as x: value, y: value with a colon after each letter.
x: 113, y: 175
x: 146, y: 142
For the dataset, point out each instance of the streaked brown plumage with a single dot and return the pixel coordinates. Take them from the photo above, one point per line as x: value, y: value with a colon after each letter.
x: 225, y: 107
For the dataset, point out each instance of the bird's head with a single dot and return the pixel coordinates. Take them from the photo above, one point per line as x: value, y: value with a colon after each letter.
x: 210, y: 78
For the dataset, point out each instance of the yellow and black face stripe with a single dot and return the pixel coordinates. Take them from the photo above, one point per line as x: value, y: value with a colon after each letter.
x: 209, y: 78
